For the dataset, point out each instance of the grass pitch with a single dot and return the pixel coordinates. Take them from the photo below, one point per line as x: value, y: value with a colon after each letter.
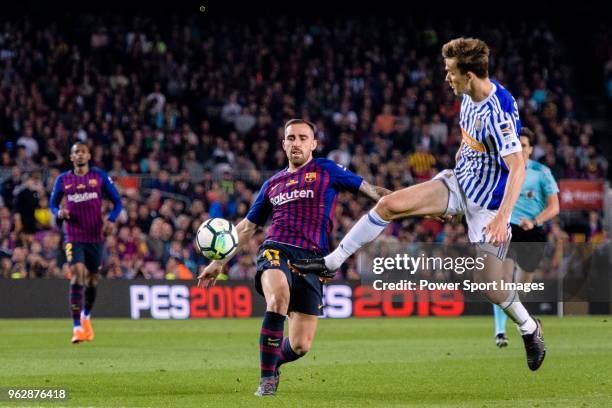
x: 353, y: 363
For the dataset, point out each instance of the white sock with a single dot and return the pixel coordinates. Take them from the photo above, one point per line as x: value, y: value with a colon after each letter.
x: 517, y: 312
x: 364, y: 231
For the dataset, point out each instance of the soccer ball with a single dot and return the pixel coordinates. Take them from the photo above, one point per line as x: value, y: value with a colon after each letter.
x: 216, y: 238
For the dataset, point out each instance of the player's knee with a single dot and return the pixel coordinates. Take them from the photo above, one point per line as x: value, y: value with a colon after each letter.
x: 78, y: 274
x: 387, y: 207
x: 93, y: 279
x: 278, y: 304
x: 301, y: 349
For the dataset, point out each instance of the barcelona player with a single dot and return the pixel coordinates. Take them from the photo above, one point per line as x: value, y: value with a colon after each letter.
x: 300, y: 201
x: 84, y: 229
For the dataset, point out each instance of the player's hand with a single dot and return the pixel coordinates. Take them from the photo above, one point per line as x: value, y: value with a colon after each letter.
x: 526, y: 224
x: 208, y: 277
x: 63, y: 214
x: 108, y: 228
x: 497, y: 230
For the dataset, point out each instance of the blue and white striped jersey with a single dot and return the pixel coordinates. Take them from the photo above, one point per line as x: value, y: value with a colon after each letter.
x: 490, y: 130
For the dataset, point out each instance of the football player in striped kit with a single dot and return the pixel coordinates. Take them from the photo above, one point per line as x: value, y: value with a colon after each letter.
x: 84, y: 230
x: 483, y: 186
x: 300, y: 201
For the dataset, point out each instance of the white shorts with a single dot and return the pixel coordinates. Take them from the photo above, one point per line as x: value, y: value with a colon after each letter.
x: 476, y: 217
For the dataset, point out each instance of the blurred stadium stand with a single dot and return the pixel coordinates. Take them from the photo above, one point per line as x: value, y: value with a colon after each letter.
x: 185, y: 111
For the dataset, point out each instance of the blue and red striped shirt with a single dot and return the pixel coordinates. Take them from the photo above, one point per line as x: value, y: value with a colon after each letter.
x: 302, y: 204
x: 84, y: 203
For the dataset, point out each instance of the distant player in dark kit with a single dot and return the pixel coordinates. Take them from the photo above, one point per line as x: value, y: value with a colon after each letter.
x: 301, y: 201
x: 84, y: 230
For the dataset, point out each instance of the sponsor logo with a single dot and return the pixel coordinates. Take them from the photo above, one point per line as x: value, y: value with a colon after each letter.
x: 472, y: 143
x: 78, y: 198
x: 506, y: 130
x: 68, y: 186
x: 310, y: 177
x: 273, y: 342
x: 80, y: 186
x: 284, y: 198
x: 291, y: 182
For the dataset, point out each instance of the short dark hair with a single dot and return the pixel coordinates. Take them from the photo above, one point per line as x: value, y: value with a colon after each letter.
x: 78, y: 143
x: 472, y: 55
x: 299, y: 121
x: 528, y: 133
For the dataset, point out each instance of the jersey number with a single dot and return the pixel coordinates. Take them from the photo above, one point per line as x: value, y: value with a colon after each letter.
x: 272, y: 255
x: 69, y: 251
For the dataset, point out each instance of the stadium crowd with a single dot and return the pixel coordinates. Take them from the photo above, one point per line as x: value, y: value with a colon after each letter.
x: 196, y: 113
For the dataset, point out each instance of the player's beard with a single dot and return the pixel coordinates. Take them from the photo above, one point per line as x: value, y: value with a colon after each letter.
x: 297, y: 160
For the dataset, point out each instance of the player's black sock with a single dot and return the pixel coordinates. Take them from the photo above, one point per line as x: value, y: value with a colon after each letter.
x: 287, y: 353
x: 90, y: 298
x: 270, y: 342
x: 76, y: 300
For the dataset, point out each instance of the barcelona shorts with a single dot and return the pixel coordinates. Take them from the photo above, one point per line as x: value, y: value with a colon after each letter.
x: 88, y: 253
x: 305, y: 291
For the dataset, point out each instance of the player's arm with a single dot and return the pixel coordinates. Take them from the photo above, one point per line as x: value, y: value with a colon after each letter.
x: 458, y: 154
x: 257, y: 216
x: 245, y: 230
x: 549, y: 212
x: 56, y: 198
x: 111, y: 191
x: 497, y: 228
x: 344, y: 179
x: 373, y: 192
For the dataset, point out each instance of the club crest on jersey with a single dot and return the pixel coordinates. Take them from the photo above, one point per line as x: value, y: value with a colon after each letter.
x: 80, y: 186
x: 93, y: 182
x: 310, y: 177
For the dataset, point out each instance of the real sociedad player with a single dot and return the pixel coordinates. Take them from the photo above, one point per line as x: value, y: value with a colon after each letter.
x: 483, y: 186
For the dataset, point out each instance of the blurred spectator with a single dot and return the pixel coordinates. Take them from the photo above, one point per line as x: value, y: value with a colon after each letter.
x: 200, y: 118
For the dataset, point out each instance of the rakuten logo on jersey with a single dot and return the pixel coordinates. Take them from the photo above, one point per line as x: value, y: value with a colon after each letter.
x: 284, y: 198
x: 78, y: 198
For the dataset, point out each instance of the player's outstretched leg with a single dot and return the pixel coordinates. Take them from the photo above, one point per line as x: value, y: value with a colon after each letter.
x: 428, y: 198
x: 500, y: 326
x: 276, y: 291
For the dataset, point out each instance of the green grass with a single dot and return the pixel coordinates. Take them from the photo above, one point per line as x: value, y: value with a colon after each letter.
x: 353, y: 363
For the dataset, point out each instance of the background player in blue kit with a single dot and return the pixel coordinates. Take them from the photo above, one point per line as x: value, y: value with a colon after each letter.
x: 84, y: 231
x: 301, y: 201
x: 537, y: 203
